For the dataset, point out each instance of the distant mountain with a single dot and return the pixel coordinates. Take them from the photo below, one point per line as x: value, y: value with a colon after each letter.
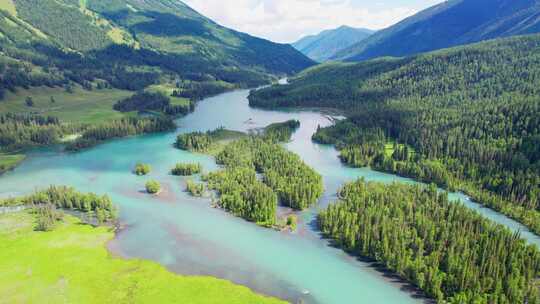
x: 451, y: 23
x: 326, y: 44
x: 131, y: 44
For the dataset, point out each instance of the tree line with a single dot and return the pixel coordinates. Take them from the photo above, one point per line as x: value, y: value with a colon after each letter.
x: 22, y: 131
x: 62, y: 197
x: 121, y: 128
x: 149, y: 101
x: 19, y: 131
x: 449, y: 251
x: 281, y: 131
x: 242, y: 194
x: 195, y: 142
x: 205, y: 141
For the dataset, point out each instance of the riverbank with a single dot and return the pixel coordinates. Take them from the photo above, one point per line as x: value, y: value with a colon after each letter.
x: 72, y: 264
x: 10, y: 161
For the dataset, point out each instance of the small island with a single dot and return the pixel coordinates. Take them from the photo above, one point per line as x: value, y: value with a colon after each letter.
x: 195, y: 189
x: 186, y: 169
x: 153, y: 187
x: 258, y: 175
x: 211, y: 142
x: 142, y: 169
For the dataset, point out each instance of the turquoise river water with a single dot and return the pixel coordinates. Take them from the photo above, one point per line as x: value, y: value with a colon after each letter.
x: 190, y: 237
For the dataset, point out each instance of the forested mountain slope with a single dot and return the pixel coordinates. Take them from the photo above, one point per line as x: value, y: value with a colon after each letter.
x: 129, y: 44
x: 450, y: 23
x: 326, y: 44
x: 466, y: 118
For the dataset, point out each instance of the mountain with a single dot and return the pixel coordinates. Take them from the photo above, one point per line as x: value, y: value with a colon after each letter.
x: 326, y: 44
x: 130, y: 44
x: 471, y: 114
x: 450, y: 23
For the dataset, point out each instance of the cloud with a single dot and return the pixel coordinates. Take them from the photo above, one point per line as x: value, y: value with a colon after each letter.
x: 288, y: 20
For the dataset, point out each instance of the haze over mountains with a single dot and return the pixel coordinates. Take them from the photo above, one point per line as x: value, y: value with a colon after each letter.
x: 451, y: 23
x: 326, y: 44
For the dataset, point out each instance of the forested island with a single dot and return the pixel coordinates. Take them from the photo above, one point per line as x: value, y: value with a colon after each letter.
x: 182, y: 169
x: 281, y: 132
x: 449, y: 251
x: 195, y: 189
x: 285, y: 177
x: 464, y: 118
x: 207, y: 142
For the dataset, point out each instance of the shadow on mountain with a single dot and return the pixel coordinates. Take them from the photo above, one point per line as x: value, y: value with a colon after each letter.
x: 164, y: 24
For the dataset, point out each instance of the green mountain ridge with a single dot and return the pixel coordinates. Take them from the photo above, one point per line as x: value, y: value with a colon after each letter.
x: 130, y: 44
x: 451, y: 23
x: 327, y: 43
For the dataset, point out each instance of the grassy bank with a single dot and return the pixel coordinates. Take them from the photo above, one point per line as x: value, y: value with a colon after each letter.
x: 81, y: 106
x: 71, y: 265
x: 10, y: 161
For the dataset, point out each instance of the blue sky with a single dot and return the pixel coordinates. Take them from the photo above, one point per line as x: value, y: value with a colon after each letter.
x: 288, y: 20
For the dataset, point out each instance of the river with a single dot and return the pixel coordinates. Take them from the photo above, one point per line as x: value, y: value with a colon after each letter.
x: 190, y: 237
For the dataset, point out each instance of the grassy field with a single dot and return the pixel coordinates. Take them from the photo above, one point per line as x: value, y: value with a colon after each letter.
x: 81, y: 106
x: 168, y: 89
x: 71, y: 265
x: 10, y: 161
x: 9, y: 6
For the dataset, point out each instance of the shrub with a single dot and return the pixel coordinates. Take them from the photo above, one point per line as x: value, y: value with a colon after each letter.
x: 47, y: 216
x: 195, y: 189
x: 291, y: 221
x: 153, y: 187
x: 142, y: 169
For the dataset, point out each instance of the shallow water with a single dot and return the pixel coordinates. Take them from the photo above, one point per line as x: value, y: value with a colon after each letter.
x: 190, y: 237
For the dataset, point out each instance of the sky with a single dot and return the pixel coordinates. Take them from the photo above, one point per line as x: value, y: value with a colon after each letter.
x: 288, y: 20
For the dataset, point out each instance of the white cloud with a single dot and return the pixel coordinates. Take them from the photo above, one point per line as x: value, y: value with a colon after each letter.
x: 288, y: 20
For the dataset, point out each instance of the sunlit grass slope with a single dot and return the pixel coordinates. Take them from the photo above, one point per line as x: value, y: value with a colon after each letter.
x: 81, y: 106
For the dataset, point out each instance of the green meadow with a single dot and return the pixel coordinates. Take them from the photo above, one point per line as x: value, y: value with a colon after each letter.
x: 72, y: 265
x: 81, y: 106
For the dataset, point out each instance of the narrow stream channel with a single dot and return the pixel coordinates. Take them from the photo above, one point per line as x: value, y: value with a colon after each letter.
x: 190, y: 237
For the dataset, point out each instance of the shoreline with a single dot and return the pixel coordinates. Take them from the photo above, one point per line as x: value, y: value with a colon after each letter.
x: 59, y: 263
